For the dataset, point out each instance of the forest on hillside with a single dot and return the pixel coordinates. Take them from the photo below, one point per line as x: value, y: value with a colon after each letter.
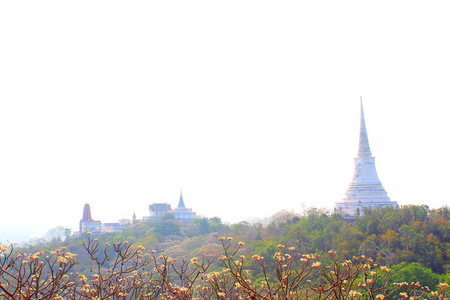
x: 288, y: 254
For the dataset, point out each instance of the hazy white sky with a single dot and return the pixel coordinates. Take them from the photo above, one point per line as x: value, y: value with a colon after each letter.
x: 249, y: 106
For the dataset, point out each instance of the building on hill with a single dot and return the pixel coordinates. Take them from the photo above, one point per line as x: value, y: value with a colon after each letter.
x: 181, y: 212
x: 365, y: 189
x: 87, y: 224
x: 159, y: 209
x: 113, y: 227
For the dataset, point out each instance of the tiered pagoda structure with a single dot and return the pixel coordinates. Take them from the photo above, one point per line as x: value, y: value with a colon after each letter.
x: 366, y: 189
x: 87, y: 224
x: 182, y: 213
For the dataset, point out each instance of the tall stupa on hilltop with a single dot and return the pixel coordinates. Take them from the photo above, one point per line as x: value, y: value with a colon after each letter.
x: 366, y: 189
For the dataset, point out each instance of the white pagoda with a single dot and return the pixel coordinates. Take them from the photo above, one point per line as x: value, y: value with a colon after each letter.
x: 183, y: 213
x: 366, y: 189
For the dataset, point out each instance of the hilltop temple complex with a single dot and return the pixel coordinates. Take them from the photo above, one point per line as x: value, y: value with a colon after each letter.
x: 181, y: 212
x: 365, y: 189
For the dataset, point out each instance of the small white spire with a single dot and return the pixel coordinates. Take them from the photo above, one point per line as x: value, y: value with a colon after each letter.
x: 364, y: 148
x: 181, y: 202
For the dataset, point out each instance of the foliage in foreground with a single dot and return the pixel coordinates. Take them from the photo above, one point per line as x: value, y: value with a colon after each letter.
x: 123, y: 271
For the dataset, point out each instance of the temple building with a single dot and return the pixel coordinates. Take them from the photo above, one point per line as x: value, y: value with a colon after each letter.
x: 181, y: 212
x: 87, y: 224
x: 159, y: 209
x: 366, y: 189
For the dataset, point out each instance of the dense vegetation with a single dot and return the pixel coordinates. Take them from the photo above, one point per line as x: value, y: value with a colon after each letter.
x: 413, y: 241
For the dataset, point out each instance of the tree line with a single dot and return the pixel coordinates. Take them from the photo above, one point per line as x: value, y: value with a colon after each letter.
x: 413, y: 242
